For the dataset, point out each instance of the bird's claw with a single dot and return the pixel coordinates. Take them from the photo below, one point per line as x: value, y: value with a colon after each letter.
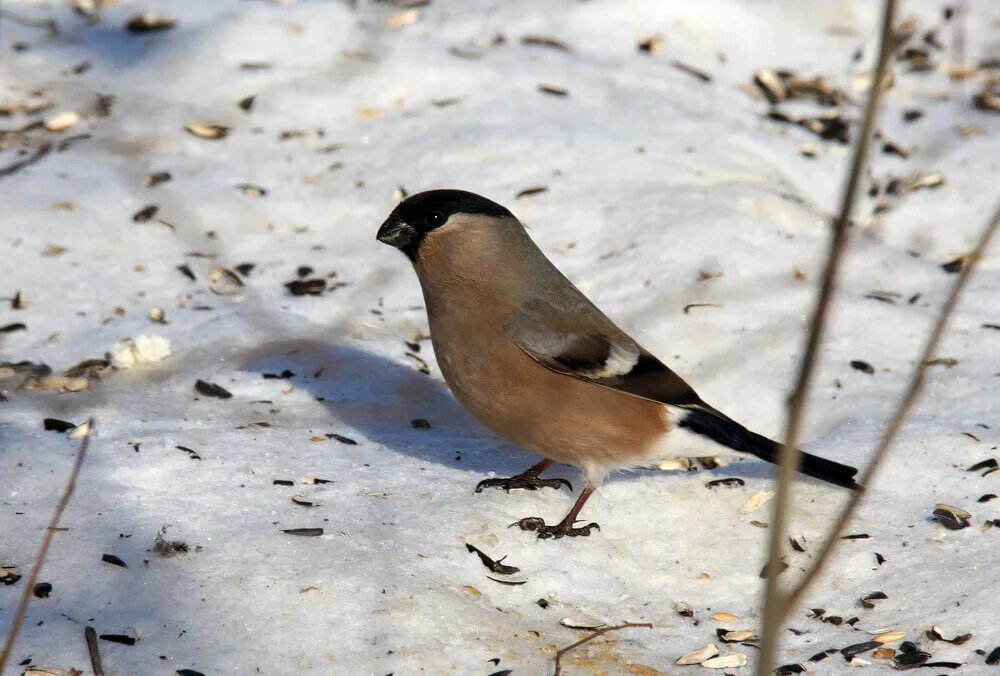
x: 525, y: 481
x: 562, y: 529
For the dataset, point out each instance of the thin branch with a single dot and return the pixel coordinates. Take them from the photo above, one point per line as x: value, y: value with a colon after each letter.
x: 598, y: 632
x: 29, y: 586
x: 905, y: 406
x: 775, y: 608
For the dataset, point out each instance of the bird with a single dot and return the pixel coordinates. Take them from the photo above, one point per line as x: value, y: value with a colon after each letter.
x: 536, y: 362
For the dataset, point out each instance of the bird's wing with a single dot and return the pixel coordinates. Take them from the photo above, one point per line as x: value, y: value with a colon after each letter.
x: 578, y: 340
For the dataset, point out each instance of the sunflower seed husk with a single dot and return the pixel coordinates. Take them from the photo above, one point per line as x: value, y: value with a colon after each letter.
x: 952, y: 518
x: 698, y: 656
x: 756, y: 502
x: 60, y: 122
x: 890, y: 636
x: 735, y: 660
x: 224, y: 282
x: 208, y: 130
x: 149, y: 22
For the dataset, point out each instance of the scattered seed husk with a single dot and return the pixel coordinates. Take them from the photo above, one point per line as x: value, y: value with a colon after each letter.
x: 867, y: 600
x: 809, y: 150
x: 404, y: 18
x: 691, y: 70
x: 954, y: 266
x: 988, y: 98
x: 56, y: 425
x: 738, y: 636
x: 993, y: 658
x: 190, y: 451
x: 527, y: 192
x: 9, y: 575
x: 938, y: 634
x: 989, y: 463
x: 858, y: 648
x: 651, y: 45
x: 306, y: 287
x: 798, y: 543
x: 11, y: 328
x: 246, y: 103
x: 60, y: 122
x: 305, y: 532
x: 129, y: 354
x: 150, y: 22
x: 544, y: 41
x: 81, y: 431
x: 698, y: 656
x: 724, y: 617
x: 19, y: 301
x: 189, y: 672
x: 884, y: 296
x: 251, y: 190
x: 552, y: 90
x: 890, y: 637
x: 756, y: 502
x: 728, y: 482
x: 156, y: 178
x: 207, y: 130
x: 212, y: 390
x: 341, y: 438
x: 987, y: 497
x: 224, y: 282
x: 113, y: 560
x: 306, y: 501
x: 789, y: 670
x: 910, y: 659
x: 123, y: 639
x: 145, y: 214
x: 732, y: 661
x: 863, y: 366
x: 581, y: 623
x: 819, y: 657
x: 186, y: 270
x: 856, y: 536
x: 952, y: 518
x: 512, y: 583
x: 55, y: 384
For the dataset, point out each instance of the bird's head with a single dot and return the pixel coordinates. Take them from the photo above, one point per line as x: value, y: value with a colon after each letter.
x: 418, y: 217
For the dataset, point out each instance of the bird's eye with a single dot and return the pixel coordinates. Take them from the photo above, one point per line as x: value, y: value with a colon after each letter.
x: 435, y: 218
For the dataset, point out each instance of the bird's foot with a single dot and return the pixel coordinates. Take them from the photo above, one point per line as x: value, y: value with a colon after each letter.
x: 529, y: 482
x: 562, y: 529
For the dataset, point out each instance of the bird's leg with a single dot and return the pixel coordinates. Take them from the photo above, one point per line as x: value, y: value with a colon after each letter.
x: 527, y: 479
x: 565, y: 527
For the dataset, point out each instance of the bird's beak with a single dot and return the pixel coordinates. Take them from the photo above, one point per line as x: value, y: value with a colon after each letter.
x: 397, y: 233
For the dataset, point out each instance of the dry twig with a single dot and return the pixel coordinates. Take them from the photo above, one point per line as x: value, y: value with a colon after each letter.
x: 903, y: 410
x: 598, y: 632
x: 775, y: 606
x: 43, y: 550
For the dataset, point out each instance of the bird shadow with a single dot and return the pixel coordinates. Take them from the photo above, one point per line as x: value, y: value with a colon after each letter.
x: 388, y: 403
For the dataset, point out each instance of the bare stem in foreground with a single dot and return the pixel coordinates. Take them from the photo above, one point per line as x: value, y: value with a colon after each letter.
x: 775, y: 606
x: 599, y: 632
x: 903, y: 410
x: 43, y: 550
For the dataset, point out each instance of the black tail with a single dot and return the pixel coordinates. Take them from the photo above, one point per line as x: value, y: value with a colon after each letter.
x: 733, y: 435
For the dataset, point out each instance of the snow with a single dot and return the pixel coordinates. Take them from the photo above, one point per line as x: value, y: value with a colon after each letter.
x: 653, y: 177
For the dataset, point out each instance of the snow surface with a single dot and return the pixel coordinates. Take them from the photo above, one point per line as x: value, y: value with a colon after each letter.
x: 654, y: 176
